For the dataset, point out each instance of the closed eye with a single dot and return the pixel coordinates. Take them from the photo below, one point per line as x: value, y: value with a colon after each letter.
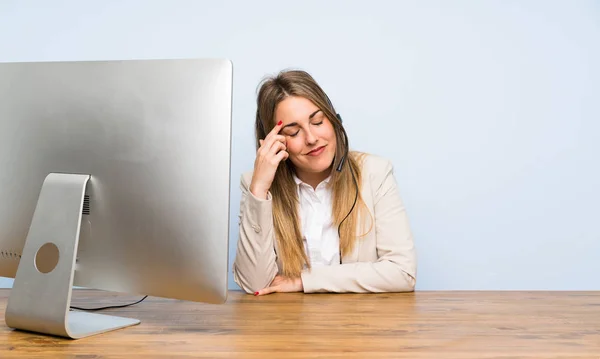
x: 296, y: 133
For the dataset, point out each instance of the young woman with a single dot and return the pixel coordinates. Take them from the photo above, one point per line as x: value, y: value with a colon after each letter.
x: 315, y: 217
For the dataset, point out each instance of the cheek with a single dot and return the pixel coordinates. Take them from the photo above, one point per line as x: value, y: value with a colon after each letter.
x: 294, y: 146
x: 329, y: 135
x: 327, y: 132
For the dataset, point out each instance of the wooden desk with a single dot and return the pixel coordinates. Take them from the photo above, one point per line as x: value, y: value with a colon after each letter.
x: 413, y: 325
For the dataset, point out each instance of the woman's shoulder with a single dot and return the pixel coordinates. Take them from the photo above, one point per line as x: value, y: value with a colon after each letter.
x: 377, y: 174
x: 371, y: 164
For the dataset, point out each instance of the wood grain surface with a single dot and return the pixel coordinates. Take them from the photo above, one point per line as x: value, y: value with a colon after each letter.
x: 404, y: 325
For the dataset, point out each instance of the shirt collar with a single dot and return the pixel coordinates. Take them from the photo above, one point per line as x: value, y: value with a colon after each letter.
x: 299, y: 181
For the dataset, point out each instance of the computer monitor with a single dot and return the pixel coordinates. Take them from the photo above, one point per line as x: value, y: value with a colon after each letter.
x: 114, y: 175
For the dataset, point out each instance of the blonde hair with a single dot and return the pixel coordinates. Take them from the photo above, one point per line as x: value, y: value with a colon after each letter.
x: 286, y: 222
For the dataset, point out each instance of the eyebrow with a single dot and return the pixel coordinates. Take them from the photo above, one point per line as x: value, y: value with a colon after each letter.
x: 313, y: 114
x: 296, y: 123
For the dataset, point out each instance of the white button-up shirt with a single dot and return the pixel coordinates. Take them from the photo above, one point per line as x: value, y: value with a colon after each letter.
x: 321, y: 240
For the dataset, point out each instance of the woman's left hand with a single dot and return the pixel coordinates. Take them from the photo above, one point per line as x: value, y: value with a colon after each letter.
x: 282, y: 284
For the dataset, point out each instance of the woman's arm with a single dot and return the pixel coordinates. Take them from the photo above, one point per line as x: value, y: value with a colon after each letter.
x: 255, y: 263
x: 395, y: 269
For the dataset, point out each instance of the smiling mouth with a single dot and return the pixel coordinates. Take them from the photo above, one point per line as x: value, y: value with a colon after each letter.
x: 316, y: 150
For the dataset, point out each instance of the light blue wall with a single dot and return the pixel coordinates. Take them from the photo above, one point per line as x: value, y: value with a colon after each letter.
x: 490, y: 110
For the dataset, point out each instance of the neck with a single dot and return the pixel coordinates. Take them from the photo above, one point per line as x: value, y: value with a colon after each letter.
x: 311, y: 178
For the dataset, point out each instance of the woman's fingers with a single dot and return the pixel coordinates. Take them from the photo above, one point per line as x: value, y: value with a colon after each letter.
x: 270, y: 142
x: 282, y: 156
x: 275, y: 131
x: 267, y: 290
x: 277, y: 146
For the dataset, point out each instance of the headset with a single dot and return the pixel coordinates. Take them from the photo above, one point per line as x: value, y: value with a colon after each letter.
x: 340, y: 165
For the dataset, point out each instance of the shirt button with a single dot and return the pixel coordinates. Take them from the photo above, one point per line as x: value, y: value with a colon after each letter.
x: 256, y: 228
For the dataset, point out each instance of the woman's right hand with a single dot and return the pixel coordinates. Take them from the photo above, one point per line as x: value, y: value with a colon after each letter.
x: 271, y: 152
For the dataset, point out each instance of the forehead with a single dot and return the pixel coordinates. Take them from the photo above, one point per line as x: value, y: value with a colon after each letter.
x: 294, y: 109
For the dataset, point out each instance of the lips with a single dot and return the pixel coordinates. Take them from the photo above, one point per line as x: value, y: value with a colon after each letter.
x: 317, y: 151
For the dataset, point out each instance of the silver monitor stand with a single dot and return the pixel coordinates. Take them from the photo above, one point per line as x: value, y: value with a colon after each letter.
x: 41, y: 295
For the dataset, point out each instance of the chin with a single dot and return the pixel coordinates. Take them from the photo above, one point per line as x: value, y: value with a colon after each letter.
x: 319, y: 169
x: 321, y: 165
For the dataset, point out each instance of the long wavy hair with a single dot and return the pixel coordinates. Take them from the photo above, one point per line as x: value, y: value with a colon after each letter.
x: 286, y: 221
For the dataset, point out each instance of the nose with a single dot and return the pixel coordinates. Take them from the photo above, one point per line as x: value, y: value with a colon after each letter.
x: 310, y: 138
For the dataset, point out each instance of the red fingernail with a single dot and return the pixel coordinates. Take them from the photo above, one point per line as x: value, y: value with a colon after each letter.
x: 279, y: 123
x: 255, y: 293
